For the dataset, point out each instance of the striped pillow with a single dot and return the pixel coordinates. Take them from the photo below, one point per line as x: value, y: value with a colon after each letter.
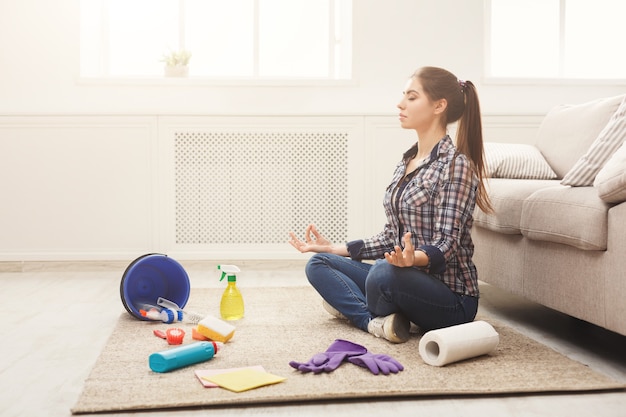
x: 517, y: 161
x: 608, y: 141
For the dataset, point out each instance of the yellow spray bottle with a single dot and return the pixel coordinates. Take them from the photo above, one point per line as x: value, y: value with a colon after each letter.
x: 231, y: 306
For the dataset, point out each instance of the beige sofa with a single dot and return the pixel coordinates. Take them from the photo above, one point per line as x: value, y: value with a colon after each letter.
x: 558, y: 236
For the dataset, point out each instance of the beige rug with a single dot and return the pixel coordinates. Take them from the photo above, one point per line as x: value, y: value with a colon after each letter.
x: 284, y: 324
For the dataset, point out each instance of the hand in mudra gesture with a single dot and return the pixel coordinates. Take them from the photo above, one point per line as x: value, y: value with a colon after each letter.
x: 313, y: 241
x: 402, y: 257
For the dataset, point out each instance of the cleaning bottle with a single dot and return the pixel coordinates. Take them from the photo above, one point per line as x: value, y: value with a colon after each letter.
x: 168, y: 312
x: 231, y: 306
x: 166, y: 315
x: 182, y: 356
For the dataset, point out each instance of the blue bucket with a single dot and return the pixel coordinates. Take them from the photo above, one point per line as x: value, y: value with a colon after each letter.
x: 152, y: 276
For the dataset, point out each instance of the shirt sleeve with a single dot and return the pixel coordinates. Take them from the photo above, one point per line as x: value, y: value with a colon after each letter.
x: 354, y: 249
x: 436, y: 260
x: 373, y: 247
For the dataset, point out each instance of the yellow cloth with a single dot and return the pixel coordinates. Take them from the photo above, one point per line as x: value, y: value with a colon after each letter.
x: 203, y: 374
x: 244, y: 379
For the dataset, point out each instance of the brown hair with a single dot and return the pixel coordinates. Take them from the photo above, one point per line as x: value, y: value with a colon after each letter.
x: 463, y: 105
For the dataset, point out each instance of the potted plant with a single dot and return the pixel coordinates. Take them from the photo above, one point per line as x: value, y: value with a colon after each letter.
x: 177, y: 63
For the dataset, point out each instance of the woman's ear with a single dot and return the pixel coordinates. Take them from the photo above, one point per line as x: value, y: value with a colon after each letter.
x: 441, y: 106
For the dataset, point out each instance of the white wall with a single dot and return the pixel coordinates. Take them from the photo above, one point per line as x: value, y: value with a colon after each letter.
x: 86, y: 165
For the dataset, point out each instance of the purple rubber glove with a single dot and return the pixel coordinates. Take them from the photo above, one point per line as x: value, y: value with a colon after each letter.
x: 377, y: 363
x: 330, y: 360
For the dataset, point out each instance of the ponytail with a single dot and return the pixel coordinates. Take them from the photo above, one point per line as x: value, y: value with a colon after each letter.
x: 469, y: 141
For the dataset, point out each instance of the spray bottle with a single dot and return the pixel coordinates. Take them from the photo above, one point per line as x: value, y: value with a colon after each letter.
x: 231, y: 306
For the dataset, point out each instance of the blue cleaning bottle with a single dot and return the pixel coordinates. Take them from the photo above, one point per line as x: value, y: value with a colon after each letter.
x: 182, y: 356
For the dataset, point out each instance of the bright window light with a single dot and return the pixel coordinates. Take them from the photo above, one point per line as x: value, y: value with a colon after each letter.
x: 250, y: 39
x: 220, y: 35
x: 567, y: 39
x: 298, y: 44
x: 594, y: 39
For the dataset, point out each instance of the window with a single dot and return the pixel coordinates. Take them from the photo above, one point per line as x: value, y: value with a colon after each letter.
x: 566, y: 39
x: 249, y: 39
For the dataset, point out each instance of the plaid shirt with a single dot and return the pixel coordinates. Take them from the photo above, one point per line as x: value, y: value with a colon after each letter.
x: 435, y: 204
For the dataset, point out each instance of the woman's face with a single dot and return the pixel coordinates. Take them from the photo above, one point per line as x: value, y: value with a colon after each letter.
x: 417, y: 111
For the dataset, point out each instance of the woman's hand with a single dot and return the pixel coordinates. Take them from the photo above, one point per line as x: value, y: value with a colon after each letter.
x: 402, y: 258
x: 317, y: 243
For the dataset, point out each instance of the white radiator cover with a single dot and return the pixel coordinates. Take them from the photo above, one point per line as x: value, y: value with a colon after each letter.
x: 251, y: 188
x: 234, y: 187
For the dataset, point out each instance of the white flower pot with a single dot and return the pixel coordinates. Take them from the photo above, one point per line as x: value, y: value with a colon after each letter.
x: 176, y: 71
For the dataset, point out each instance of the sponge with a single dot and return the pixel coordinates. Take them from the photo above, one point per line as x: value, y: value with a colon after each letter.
x: 215, y: 329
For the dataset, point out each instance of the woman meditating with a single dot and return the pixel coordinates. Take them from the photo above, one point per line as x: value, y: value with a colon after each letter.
x: 423, y: 271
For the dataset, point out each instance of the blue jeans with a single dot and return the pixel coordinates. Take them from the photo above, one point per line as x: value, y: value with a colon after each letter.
x: 362, y: 291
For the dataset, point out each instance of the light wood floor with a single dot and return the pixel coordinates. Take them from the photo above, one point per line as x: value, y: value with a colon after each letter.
x: 58, y: 316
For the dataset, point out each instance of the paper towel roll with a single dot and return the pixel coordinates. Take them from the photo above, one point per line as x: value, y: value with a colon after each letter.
x: 456, y: 343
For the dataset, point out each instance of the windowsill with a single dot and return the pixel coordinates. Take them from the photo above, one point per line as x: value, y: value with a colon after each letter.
x: 192, y: 81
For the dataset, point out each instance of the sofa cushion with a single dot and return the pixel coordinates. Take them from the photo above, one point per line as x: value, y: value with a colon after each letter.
x: 507, y: 197
x: 611, y: 180
x: 568, y: 131
x: 608, y: 141
x: 573, y: 216
x: 516, y: 160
